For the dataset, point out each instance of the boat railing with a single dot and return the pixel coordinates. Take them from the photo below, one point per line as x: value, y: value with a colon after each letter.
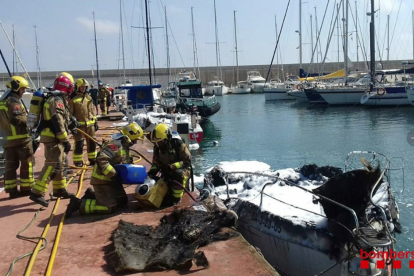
x: 354, y: 232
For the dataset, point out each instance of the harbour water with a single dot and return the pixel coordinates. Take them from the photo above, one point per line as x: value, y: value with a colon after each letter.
x: 285, y: 134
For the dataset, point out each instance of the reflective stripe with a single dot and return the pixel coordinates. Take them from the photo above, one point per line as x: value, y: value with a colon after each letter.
x: 14, y: 136
x: 87, y: 206
x: 31, y: 175
x: 177, y: 165
x: 62, y: 136
x: 123, y: 152
x: 41, y: 184
x: 99, y: 176
x: 47, y: 113
x: 92, y: 155
x: 178, y: 193
x: 59, y: 184
x: 88, y: 123
x: 47, y: 132
x: 77, y: 157
x: 107, y: 170
x: 8, y: 182
x: 25, y: 183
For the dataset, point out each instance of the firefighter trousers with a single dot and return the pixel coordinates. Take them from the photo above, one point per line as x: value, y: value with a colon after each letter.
x: 90, y: 145
x: 107, y: 199
x: 104, y: 108
x: 181, y: 176
x: 19, y: 156
x: 52, y: 170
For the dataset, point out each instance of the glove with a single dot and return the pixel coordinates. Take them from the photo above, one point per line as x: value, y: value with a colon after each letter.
x: 73, y: 124
x: 173, y: 167
x: 153, y: 172
x: 67, y: 147
x: 96, y: 126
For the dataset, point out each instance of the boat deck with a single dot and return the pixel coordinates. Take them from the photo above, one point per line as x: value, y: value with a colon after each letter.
x: 83, y: 240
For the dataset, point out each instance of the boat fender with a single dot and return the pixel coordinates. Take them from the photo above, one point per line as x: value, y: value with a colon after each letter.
x: 381, y: 91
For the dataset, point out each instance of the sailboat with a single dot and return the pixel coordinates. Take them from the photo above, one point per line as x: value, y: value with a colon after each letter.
x: 217, y: 86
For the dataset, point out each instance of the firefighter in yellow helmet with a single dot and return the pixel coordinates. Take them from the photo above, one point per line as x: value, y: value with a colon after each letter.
x: 18, y: 149
x: 103, y: 95
x: 107, y: 193
x: 82, y: 108
x: 56, y: 122
x: 171, y: 158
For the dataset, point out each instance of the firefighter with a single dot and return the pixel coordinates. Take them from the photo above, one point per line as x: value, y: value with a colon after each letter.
x: 107, y: 193
x: 103, y: 96
x: 171, y: 158
x: 82, y: 108
x: 56, y: 122
x: 18, y: 149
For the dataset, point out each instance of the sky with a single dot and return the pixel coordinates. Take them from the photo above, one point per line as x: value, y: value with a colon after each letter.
x: 65, y: 32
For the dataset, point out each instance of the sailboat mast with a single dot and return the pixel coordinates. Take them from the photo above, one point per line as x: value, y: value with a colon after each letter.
x: 122, y: 39
x: 96, y: 49
x: 39, y: 77
x: 346, y: 41
x: 356, y: 32
x: 311, y: 29
x: 148, y: 42
x: 388, y: 37
x: 372, y: 45
x: 215, y: 22
x: 300, y: 33
x: 194, y: 45
x: 168, y: 46
x: 235, y: 39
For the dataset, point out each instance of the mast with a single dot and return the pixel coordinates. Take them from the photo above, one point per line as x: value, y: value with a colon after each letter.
x: 168, y: 46
x: 356, y: 31
x: 316, y: 29
x: 413, y: 31
x: 235, y: 39
x: 122, y: 39
x: 388, y: 37
x: 14, y: 43
x: 39, y: 77
x: 311, y: 37
x: 372, y: 45
x: 148, y: 42
x: 194, y: 46
x: 96, y: 49
x: 346, y: 42
x: 300, y: 33
x: 216, y: 31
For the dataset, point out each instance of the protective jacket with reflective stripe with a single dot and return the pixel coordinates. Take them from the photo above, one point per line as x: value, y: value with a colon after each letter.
x: 176, y: 153
x: 13, y: 121
x: 83, y: 109
x: 55, y: 118
x: 112, y: 153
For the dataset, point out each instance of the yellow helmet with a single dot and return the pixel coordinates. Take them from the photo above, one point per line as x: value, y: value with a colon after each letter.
x: 69, y: 76
x: 160, y: 132
x: 17, y: 82
x: 133, y: 131
x: 81, y: 82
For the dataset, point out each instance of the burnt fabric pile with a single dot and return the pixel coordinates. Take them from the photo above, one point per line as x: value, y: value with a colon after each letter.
x: 313, y: 172
x: 171, y: 245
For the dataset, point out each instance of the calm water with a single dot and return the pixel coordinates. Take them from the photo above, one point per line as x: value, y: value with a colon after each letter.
x: 287, y: 134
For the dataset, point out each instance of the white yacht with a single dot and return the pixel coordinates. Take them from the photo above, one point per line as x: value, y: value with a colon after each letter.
x: 242, y: 87
x: 216, y: 87
x: 256, y: 81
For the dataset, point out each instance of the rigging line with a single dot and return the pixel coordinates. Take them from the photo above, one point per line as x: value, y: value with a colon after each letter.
x: 319, y: 33
x: 395, y: 25
x: 331, y: 30
x: 360, y: 41
x: 277, y: 42
x: 330, y: 36
x: 379, y: 50
x: 406, y: 23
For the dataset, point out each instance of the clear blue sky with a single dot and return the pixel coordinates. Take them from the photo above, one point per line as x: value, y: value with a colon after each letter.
x: 65, y: 31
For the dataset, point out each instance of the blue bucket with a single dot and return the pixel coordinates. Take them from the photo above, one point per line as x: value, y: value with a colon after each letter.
x: 131, y: 174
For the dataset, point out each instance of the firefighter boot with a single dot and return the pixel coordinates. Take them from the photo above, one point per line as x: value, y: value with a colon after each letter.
x: 39, y: 199
x: 14, y: 193
x: 63, y: 193
x: 73, y: 206
x: 89, y: 194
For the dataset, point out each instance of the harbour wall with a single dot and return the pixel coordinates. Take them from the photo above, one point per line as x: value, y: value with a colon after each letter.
x: 115, y: 77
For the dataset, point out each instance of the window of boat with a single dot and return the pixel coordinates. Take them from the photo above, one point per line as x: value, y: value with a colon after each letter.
x: 259, y: 81
x: 191, y: 91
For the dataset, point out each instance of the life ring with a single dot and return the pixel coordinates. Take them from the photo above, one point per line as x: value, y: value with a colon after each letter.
x: 381, y: 91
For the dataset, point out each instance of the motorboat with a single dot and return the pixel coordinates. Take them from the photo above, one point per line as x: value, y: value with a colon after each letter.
x: 242, y: 87
x: 188, y: 95
x: 288, y: 216
x: 277, y: 90
x: 216, y: 87
x: 256, y: 81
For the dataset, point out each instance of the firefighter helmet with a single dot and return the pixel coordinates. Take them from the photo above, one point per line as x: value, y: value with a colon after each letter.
x: 81, y: 82
x: 63, y: 84
x: 133, y: 131
x: 69, y: 76
x: 17, y: 82
x: 160, y: 132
